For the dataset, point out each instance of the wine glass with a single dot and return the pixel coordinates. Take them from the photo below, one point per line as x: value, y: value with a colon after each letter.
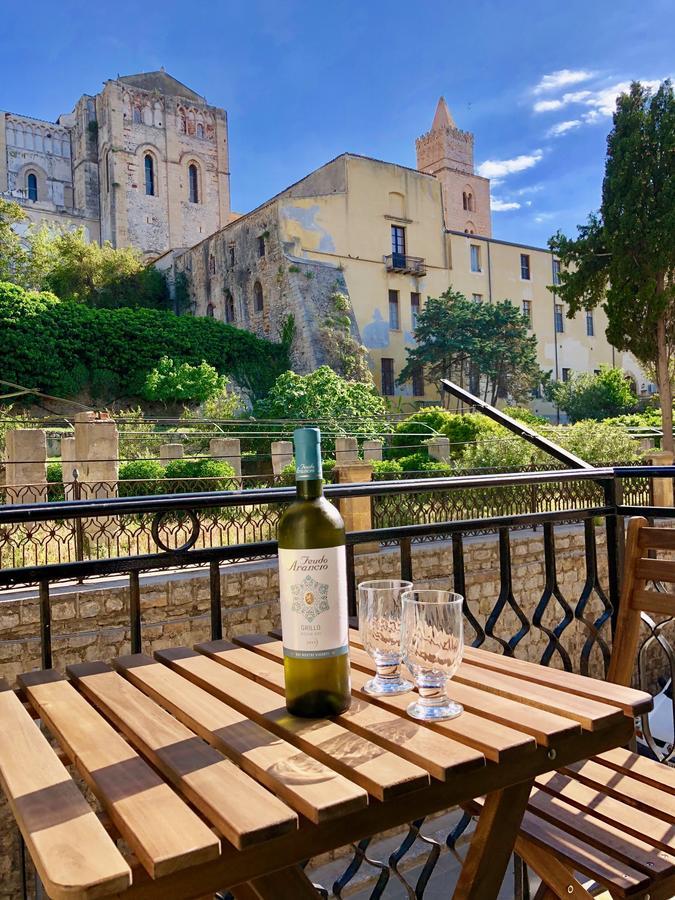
x: 380, y: 627
x: 432, y: 643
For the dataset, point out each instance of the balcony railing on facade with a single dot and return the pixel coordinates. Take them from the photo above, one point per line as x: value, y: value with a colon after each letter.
x: 407, y: 265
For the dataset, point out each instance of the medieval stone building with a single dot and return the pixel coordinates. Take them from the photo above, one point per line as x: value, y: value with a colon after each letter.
x: 143, y: 163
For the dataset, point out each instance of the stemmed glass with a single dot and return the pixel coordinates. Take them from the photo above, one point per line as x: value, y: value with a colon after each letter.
x: 380, y: 627
x: 432, y: 644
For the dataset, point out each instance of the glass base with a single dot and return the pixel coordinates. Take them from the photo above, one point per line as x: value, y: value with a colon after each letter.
x: 387, y: 686
x: 435, y: 712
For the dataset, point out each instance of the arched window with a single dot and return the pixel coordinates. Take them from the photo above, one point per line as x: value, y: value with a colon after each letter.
x: 229, y: 307
x: 138, y: 116
x: 200, y: 130
x: 149, y: 175
x: 258, y: 299
x: 210, y: 310
x: 465, y: 202
x: 469, y: 200
x: 193, y: 183
x: 31, y: 186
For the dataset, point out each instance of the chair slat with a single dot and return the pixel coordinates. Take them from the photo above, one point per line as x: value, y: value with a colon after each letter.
x: 380, y: 772
x: 164, y: 833
x: 497, y: 742
x: 52, y: 814
x: 653, y: 773
x: 241, y: 810
x: 439, y: 755
x: 661, y: 603
x: 655, y: 569
x: 303, y: 782
x: 656, y: 538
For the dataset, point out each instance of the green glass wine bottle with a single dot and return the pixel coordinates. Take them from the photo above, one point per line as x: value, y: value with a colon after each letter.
x: 313, y: 591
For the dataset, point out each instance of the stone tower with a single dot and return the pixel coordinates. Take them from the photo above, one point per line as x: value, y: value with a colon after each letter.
x: 447, y: 153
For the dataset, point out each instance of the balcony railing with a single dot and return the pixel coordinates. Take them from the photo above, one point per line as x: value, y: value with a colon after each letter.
x: 408, y: 265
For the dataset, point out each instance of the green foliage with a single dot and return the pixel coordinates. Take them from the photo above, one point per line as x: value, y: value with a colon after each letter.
x: 465, y: 341
x: 623, y: 259
x: 387, y: 469
x: 505, y: 451
x: 142, y: 477
x: 217, y: 475
x: 597, y: 442
x: 170, y: 382
x: 339, y: 406
x: 61, y: 347
x: 523, y: 414
x: 12, y: 253
x: 344, y: 353
x: 459, y: 428
x: 418, y: 465
x: 648, y: 418
x: 600, y: 396
x: 55, y: 489
x: 136, y: 435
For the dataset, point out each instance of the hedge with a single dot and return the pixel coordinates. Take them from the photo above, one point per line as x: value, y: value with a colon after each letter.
x: 64, y: 347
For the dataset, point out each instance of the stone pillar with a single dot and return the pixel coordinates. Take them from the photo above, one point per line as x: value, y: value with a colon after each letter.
x: 372, y: 450
x: 97, y: 450
x: 282, y: 455
x: 439, y: 448
x: 356, y: 511
x: 346, y: 450
x: 662, y: 488
x: 26, y: 465
x: 228, y: 450
x: 169, y: 452
x: 69, y: 462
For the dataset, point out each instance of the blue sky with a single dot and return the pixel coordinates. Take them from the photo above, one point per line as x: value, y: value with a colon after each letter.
x: 305, y: 81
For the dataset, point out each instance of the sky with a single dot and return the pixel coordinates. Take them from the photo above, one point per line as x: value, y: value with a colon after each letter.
x: 305, y: 81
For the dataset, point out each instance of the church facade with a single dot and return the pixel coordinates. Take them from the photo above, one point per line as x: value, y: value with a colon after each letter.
x: 143, y: 163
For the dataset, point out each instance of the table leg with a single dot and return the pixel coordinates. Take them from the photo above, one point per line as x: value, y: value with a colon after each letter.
x: 287, y: 883
x: 492, y: 843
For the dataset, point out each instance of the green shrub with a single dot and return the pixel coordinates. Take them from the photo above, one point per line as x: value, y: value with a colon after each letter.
x: 460, y: 429
x: 506, y: 452
x: 171, y: 382
x: 141, y: 477
x: 55, y: 489
x: 598, y: 397
x: 216, y: 475
x: 387, y: 469
x: 597, y: 443
x: 523, y: 414
x: 413, y: 462
x: 61, y: 347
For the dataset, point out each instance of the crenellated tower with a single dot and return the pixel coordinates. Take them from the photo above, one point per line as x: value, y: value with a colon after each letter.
x: 447, y: 152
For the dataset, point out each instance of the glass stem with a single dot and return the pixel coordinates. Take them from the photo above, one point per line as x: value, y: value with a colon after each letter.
x: 387, y: 673
x: 434, y: 695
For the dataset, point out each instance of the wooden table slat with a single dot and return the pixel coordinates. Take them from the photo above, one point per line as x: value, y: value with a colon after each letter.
x: 52, y: 814
x: 497, y: 742
x: 308, y: 785
x: 381, y: 772
x: 439, y: 755
x: 163, y: 832
x: 239, y: 808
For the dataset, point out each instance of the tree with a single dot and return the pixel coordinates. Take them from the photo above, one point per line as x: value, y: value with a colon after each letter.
x: 171, y: 382
x: 12, y: 252
x: 623, y: 259
x: 600, y: 396
x: 475, y: 344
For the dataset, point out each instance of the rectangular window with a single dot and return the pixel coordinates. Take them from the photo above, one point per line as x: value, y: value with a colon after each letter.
x: 525, y: 266
x: 418, y: 382
x: 231, y: 256
x: 590, y: 327
x: 566, y: 374
x: 261, y: 245
x: 212, y: 265
x: 387, y: 377
x: 475, y: 258
x: 398, y: 240
x: 394, y: 317
x: 559, y: 319
x: 556, y: 271
x: 414, y: 308
x: 477, y: 298
x: 527, y: 311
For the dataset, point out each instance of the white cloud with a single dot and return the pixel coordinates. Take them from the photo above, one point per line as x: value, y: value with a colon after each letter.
x: 547, y: 105
x: 529, y: 189
x: 498, y: 205
x: 563, y: 127
x: 600, y: 103
x: 544, y: 217
x: 562, y: 78
x: 500, y: 168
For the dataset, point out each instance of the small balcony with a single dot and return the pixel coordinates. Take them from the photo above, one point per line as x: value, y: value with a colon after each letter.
x: 408, y: 265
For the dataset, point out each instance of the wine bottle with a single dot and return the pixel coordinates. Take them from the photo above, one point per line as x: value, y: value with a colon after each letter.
x: 313, y: 591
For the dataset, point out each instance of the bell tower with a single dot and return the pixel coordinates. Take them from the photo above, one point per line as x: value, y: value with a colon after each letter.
x: 447, y: 152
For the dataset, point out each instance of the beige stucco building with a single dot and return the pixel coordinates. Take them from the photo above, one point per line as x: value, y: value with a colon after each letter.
x: 143, y: 163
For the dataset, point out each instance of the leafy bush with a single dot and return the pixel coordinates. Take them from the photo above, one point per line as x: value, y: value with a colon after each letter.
x: 55, y: 489
x: 171, y: 382
x: 387, y: 469
x: 503, y: 452
x: 337, y: 405
x: 523, y: 414
x: 141, y: 477
x: 61, y: 347
x: 217, y: 475
x: 597, y: 442
x: 459, y: 428
x: 648, y: 418
x: 598, y: 397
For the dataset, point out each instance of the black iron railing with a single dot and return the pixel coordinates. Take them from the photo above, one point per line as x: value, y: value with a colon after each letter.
x: 409, y: 265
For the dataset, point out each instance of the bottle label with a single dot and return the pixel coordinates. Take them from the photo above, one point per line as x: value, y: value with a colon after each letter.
x: 313, y: 591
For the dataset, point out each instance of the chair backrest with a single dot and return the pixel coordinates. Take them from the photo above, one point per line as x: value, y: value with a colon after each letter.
x: 638, y: 596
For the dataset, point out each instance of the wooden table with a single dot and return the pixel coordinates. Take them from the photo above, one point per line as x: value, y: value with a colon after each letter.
x: 197, y: 766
